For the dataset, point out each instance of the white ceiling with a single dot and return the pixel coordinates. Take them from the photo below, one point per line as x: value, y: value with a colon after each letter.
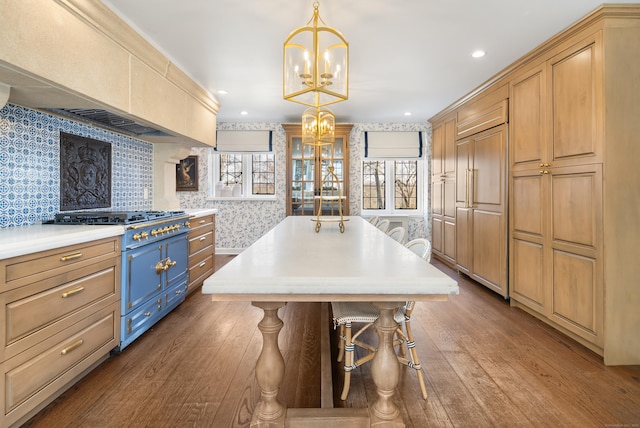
x: 405, y: 55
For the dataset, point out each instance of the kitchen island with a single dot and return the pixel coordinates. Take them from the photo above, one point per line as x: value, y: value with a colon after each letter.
x: 294, y: 263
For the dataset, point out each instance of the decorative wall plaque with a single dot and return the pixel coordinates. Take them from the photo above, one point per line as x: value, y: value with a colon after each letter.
x: 187, y: 174
x: 85, y: 173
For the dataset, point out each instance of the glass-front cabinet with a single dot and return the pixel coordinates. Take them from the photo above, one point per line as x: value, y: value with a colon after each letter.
x: 317, y: 173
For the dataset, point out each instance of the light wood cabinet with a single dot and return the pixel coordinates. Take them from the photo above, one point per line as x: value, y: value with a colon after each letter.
x: 60, y: 317
x: 307, y: 167
x: 574, y: 181
x: 443, y: 188
x: 556, y: 206
x: 481, y: 208
x: 202, y: 241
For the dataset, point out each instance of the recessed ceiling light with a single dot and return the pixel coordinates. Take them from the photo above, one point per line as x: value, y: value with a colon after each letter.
x: 244, y: 112
x: 478, y: 54
x: 222, y: 92
x: 407, y: 113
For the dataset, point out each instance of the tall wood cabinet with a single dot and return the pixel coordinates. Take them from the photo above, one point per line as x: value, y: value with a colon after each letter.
x: 574, y: 182
x: 307, y: 173
x: 443, y: 190
x: 556, y: 210
x: 481, y: 191
x: 481, y: 211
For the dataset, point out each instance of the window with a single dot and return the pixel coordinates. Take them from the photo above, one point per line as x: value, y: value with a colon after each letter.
x: 392, y: 173
x: 242, y: 175
x: 403, y: 195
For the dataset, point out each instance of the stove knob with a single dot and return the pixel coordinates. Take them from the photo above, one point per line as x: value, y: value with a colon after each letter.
x: 145, y: 235
x: 137, y: 237
x: 155, y: 232
x: 177, y: 227
x: 166, y: 229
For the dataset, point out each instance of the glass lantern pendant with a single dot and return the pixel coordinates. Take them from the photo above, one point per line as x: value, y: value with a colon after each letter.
x: 316, y: 64
x: 318, y: 126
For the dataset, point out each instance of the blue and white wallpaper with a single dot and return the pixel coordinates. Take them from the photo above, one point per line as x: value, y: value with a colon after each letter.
x: 30, y: 166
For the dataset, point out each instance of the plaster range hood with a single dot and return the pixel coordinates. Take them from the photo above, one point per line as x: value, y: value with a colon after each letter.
x: 109, y: 120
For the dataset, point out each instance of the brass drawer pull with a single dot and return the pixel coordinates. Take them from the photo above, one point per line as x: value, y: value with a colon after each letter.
x: 202, y: 238
x: 70, y: 257
x: 70, y: 348
x: 202, y: 264
x: 72, y: 292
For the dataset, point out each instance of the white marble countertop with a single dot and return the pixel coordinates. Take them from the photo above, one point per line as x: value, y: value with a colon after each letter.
x: 200, y: 212
x: 294, y: 263
x: 17, y: 241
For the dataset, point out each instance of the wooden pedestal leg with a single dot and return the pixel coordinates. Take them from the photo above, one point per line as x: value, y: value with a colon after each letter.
x: 385, y: 369
x: 269, y: 369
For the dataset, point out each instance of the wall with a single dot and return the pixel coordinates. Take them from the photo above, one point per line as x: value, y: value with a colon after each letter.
x: 30, y: 165
x: 240, y: 223
x: 30, y: 175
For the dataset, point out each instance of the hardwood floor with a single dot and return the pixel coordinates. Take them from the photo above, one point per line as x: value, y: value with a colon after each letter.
x: 486, y: 365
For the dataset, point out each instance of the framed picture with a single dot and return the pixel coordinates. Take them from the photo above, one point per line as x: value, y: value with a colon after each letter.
x: 187, y: 174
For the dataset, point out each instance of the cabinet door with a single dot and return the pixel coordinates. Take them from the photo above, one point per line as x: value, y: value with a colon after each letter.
x: 529, y: 274
x: 449, y: 164
x: 481, y: 235
x: 488, y: 200
x: 576, y: 250
x: 449, y: 238
x: 576, y: 104
x: 528, y: 119
x: 464, y: 168
x: 331, y: 177
x: 437, y: 151
x: 309, y: 174
x: 302, y: 177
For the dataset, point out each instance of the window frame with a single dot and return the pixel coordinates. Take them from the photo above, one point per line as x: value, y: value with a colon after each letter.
x: 389, y: 191
x: 247, y: 171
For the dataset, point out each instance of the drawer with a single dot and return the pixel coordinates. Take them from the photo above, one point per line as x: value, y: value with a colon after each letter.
x: 35, y: 312
x: 32, y: 376
x: 174, y: 296
x: 199, y: 242
x: 19, y: 271
x: 201, y: 222
x: 140, y: 320
x: 200, y: 271
x: 197, y: 258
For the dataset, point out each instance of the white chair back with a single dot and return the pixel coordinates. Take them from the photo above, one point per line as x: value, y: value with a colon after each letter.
x: 397, y: 233
x: 383, y: 225
x: 374, y: 220
x: 420, y: 246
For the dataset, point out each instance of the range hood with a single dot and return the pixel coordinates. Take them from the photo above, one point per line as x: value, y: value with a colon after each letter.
x: 108, y: 120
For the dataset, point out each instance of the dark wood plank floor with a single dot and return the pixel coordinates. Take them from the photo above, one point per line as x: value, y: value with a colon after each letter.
x: 486, y: 365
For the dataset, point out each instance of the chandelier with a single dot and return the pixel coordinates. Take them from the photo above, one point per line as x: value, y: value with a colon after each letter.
x: 316, y: 74
x: 316, y: 64
x: 318, y: 126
